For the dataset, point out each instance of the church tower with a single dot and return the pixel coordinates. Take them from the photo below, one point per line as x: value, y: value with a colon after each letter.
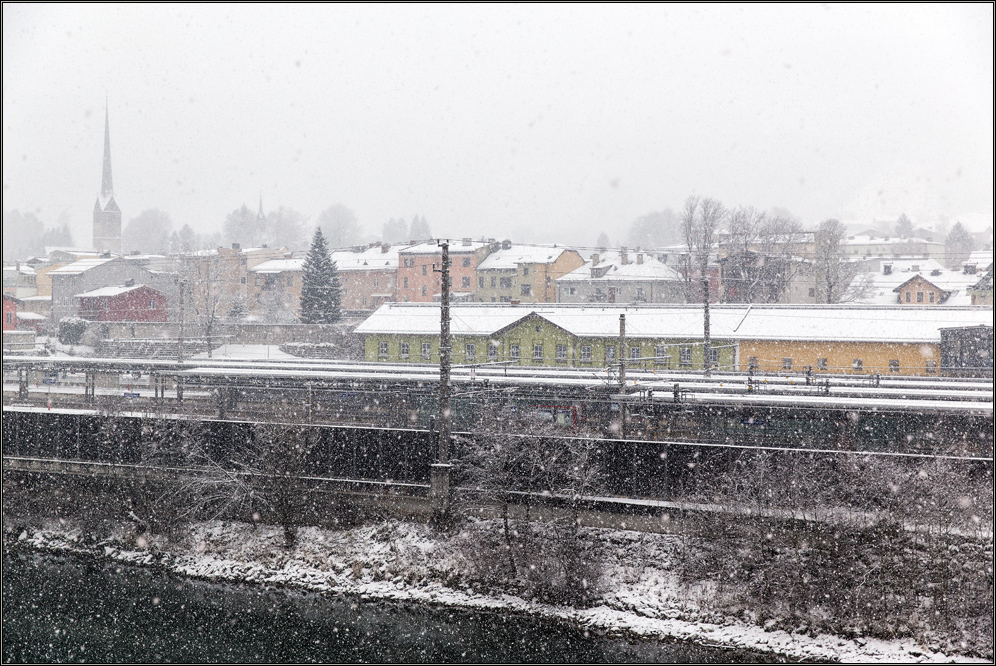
x: 106, y: 214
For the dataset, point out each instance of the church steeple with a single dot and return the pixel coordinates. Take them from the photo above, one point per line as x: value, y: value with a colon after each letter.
x: 106, y: 214
x: 106, y: 182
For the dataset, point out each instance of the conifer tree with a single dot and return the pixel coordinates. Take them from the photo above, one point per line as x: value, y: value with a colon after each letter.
x: 321, y: 291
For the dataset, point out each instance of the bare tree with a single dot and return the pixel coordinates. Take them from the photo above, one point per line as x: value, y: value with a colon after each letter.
x: 700, y: 221
x: 760, y: 257
x: 271, y: 464
x: 339, y: 225
x: 833, y: 272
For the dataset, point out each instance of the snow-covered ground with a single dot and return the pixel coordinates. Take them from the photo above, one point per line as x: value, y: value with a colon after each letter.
x: 410, y: 562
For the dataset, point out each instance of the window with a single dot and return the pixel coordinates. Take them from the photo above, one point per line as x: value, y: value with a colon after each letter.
x: 469, y: 352
x: 505, y: 283
x: 425, y: 290
x: 686, y: 355
x: 857, y: 365
x: 382, y: 350
x: 919, y: 297
x: 561, y: 353
x: 466, y: 262
x: 821, y: 364
x: 480, y: 283
x: 405, y: 348
x: 242, y: 280
x: 894, y: 365
x: 525, y: 271
x: 930, y: 296
x: 931, y: 367
x: 909, y: 297
x: 538, y: 351
x: 786, y: 363
x: 376, y: 281
x: 812, y: 292
x: 586, y: 354
x: 660, y: 351
x: 713, y: 357
x: 513, y: 352
x: 290, y: 281
x: 492, y: 351
x: 425, y: 269
x: 610, y: 354
x: 634, y: 353
x: 465, y: 283
x: 426, y: 350
x: 527, y: 290
x: 572, y: 291
x: 752, y: 363
x: 406, y: 283
x: 494, y: 281
x: 152, y: 305
x: 639, y: 294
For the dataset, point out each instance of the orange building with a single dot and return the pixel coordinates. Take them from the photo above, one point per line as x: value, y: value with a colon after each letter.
x: 419, y: 263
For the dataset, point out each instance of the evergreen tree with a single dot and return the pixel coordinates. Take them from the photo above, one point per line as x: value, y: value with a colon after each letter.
x: 321, y: 291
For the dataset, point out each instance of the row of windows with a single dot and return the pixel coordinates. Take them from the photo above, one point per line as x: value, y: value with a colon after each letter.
x: 857, y: 365
x: 515, y: 353
x: 409, y: 262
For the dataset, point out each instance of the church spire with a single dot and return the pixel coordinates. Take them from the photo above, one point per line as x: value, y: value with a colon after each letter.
x: 106, y: 183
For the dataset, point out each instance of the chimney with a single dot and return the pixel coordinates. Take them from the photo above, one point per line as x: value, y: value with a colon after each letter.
x: 886, y: 269
x: 639, y: 258
x: 623, y: 260
x: 236, y: 247
x: 466, y: 241
x: 411, y: 242
x: 384, y: 248
x: 506, y: 244
x: 594, y: 260
x: 971, y: 269
x: 129, y: 283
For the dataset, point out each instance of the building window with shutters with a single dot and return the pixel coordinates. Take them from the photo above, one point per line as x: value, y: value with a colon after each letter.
x: 426, y: 351
x: 382, y: 350
x: 686, y: 355
x: 561, y: 353
x: 610, y: 354
x: 405, y: 348
x: 513, y: 352
x: 894, y: 365
x: 586, y: 354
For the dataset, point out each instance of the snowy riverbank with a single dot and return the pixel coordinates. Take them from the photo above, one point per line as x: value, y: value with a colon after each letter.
x: 409, y: 562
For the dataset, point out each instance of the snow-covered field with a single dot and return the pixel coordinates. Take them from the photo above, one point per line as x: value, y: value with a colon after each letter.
x: 411, y: 562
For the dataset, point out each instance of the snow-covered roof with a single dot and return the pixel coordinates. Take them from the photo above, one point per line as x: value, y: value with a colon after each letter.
x: 863, y: 239
x: 983, y: 259
x: 881, y: 288
x: 278, y: 266
x: 610, y: 267
x: 38, y: 298
x: 801, y: 323
x: 31, y: 316
x: 23, y: 268
x: 371, y: 258
x: 521, y: 254
x: 81, y: 266
x: 432, y: 247
x: 111, y: 291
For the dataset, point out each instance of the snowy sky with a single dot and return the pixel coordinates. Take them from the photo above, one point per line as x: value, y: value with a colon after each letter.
x: 539, y: 123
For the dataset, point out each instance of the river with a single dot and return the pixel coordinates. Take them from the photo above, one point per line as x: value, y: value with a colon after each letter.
x: 63, y: 608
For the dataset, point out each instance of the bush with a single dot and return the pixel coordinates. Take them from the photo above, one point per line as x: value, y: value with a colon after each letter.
x: 71, y: 330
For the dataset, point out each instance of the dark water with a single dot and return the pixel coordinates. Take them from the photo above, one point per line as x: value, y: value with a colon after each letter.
x: 69, y: 609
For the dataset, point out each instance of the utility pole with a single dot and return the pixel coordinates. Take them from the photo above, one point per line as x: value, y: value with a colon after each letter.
x: 622, y: 353
x: 439, y: 491
x: 706, y: 346
x: 179, y: 347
